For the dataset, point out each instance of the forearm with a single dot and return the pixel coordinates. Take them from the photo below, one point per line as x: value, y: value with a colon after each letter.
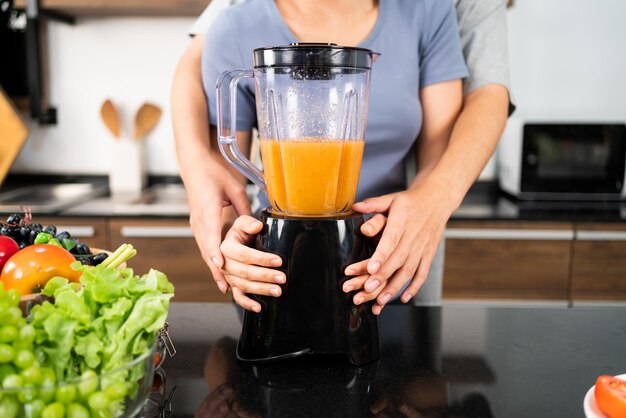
x: 441, y: 104
x: 472, y: 142
x: 190, y: 114
x: 196, y: 145
x: 430, y: 150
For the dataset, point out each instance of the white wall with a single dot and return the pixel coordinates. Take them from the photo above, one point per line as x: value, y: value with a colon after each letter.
x: 568, y: 58
x: 568, y: 62
x: 129, y: 60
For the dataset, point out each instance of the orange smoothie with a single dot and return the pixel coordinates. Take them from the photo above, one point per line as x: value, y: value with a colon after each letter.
x: 311, y: 176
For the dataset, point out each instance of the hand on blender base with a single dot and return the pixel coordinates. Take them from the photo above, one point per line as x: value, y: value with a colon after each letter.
x: 248, y: 270
x: 411, y: 233
x: 209, y: 195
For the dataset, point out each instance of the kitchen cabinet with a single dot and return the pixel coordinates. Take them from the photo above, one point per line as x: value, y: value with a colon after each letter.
x: 486, y: 260
x: 599, y: 262
x: 122, y: 7
x: 168, y: 246
x: 508, y: 260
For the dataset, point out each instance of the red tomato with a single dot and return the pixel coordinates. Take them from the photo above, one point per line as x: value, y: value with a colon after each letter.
x: 29, y: 269
x: 8, y: 247
x: 610, y: 396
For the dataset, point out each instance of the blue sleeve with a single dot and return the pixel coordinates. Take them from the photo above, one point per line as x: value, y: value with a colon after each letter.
x: 441, y: 57
x: 221, y: 53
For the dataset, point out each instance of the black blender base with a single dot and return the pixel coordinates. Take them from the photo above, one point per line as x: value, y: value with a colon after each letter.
x: 313, y: 315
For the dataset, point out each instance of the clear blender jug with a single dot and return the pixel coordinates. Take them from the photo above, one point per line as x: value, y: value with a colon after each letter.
x: 311, y: 103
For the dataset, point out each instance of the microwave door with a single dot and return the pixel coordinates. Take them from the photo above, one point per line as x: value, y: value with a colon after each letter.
x: 573, y: 161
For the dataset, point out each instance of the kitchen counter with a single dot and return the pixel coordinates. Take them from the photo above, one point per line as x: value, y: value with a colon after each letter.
x: 451, y: 361
x: 485, y: 201
x: 166, y: 197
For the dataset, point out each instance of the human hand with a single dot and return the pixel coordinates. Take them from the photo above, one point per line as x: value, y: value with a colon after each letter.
x: 222, y: 403
x: 421, y: 396
x: 411, y: 232
x: 217, y: 404
x: 248, y: 270
x: 213, y: 189
x: 385, y: 408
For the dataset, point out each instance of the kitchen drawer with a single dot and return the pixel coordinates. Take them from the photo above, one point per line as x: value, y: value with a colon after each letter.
x: 599, y: 267
x: 507, y: 260
x: 92, y: 231
x: 168, y: 246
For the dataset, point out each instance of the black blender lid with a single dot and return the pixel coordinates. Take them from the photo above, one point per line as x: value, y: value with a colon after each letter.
x: 313, y: 55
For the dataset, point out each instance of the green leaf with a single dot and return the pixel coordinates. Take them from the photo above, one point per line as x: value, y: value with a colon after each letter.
x: 53, y: 285
x: 113, y: 318
x: 90, y: 347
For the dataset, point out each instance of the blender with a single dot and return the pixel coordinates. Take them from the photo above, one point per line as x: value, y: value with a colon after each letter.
x: 311, y: 104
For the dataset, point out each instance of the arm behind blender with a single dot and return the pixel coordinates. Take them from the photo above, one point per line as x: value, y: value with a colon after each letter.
x: 211, y: 186
x: 415, y: 220
x: 216, y: 192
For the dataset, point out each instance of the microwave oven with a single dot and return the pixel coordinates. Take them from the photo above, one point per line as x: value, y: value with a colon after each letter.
x: 563, y: 161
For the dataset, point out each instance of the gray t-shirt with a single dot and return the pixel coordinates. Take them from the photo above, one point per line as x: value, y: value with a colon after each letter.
x: 483, y: 29
x: 419, y: 45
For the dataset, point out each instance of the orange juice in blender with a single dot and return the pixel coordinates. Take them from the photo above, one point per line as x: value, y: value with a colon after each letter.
x: 311, y: 176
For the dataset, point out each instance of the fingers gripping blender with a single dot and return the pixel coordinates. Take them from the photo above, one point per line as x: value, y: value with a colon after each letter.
x: 311, y: 103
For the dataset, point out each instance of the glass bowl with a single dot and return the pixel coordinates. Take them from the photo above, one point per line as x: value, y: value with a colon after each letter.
x: 117, y: 393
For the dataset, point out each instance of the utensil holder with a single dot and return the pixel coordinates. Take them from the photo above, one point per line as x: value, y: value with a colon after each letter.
x: 128, y: 171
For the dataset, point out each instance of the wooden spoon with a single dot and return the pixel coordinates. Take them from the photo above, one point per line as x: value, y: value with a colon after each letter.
x: 111, y: 118
x: 146, y: 118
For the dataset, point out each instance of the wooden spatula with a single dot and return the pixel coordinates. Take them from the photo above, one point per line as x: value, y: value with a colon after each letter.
x: 146, y: 118
x: 110, y: 117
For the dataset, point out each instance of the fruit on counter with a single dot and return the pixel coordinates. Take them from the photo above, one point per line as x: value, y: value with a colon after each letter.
x: 21, y: 230
x: 86, y: 332
x: 610, y: 394
x: 30, y: 268
x: 8, y: 247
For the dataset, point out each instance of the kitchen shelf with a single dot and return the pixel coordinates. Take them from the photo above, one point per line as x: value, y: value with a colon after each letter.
x: 88, y: 8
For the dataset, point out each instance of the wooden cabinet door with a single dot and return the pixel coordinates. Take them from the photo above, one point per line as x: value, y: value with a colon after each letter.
x: 507, y: 260
x: 599, y: 267
x: 92, y: 231
x: 168, y: 246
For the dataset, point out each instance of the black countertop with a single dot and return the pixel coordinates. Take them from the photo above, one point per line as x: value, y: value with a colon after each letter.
x: 443, y: 362
x: 484, y: 202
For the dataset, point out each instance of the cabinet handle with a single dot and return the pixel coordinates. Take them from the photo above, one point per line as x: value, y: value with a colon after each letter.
x: 156, y: 232
x: 78, y: 230
x: 510, y: 234
x: 601, y: 235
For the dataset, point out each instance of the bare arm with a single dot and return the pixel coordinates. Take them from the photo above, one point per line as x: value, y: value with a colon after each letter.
x: 439, y: 187
x: 474, y: 138
x: 414, y: 224
x: 211, y: 185
x: 441, y: 105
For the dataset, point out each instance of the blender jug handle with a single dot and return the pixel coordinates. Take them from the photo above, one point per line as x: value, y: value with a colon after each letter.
x: 227, y: 125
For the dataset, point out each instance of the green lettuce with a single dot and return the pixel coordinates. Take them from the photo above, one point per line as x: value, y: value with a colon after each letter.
x: 110, y: 319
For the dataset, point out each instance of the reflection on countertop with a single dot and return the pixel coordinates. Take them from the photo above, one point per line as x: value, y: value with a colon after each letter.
x: 165, y: 196
x: 455, y: 361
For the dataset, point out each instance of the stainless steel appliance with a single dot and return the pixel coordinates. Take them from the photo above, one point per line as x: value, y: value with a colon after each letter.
x: 564, y: 161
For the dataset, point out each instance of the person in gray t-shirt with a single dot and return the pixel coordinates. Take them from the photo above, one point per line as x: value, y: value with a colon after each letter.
x: 436, y: 195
